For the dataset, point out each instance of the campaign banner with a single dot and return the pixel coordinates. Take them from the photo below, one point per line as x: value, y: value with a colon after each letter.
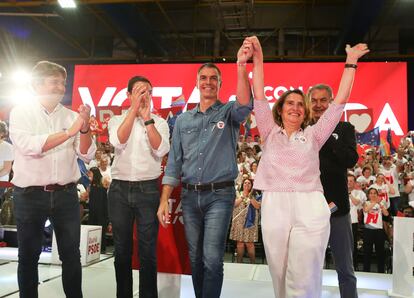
x: 378, y: 98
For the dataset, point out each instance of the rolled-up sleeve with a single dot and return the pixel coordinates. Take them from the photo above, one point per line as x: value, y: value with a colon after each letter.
x: 90, y: 154
x: 164, y: 131
x: 240, y: 112
x: 22, y: 137
x: 175, y: 158
x: 113, y: 126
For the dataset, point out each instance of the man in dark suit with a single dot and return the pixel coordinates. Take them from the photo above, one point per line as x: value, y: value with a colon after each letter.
x: 336, y: 156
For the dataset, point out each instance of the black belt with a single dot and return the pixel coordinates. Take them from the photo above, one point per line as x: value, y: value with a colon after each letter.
x: 208, y: 186
x: 50, y: 187
x: 136, y: 183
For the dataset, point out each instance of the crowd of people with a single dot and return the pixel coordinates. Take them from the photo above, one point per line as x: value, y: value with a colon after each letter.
x: 300, y: 183
x: 368, y: 172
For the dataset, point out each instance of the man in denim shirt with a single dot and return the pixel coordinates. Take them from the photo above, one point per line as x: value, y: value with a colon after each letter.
x: 203, y: 156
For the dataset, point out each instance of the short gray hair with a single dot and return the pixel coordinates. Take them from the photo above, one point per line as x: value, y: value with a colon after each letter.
x: 44, y: 69
x: 325, y: 87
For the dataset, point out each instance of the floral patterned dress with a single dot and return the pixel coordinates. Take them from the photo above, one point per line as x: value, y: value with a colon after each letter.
x: 238, y: 232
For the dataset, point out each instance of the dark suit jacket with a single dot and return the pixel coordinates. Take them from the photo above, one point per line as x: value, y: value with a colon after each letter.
x: 336, y: 156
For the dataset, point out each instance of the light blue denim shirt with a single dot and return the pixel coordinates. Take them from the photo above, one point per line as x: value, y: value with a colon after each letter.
x: 203, y: 148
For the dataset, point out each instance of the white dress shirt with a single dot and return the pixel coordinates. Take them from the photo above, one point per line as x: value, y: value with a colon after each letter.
x: 136, y: 160
x: 360, y: 195
x: 392, y: 176
x: 30, y: 126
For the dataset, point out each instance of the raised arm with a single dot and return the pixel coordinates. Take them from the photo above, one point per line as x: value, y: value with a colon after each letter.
x: 352, y: 56
x: 136, y: 96
x: 244, y: 104
x: 243, y: 87
x: 258, y: 73
x: 263, y: 114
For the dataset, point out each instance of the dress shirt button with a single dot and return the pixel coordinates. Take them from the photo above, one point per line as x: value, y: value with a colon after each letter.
x: 201, y: 153
x: 199, y: 169
x: 205, y: 129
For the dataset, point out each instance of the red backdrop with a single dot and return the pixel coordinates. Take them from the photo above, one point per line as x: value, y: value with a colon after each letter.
x: 379, y: 98
x: 379, y: 87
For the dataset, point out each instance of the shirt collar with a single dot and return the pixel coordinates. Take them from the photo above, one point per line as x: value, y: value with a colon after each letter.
x: 215, y: 107
x: 42, y: 108
x: 283, y: 131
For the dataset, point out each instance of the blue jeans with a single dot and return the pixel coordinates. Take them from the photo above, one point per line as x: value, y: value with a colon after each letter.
x: 32, y: 208
x: 207, y: 216
x: 129, y: 201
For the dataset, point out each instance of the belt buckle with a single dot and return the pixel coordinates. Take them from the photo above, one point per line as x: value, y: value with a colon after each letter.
x: 196, y: 188
x: 45, y: 188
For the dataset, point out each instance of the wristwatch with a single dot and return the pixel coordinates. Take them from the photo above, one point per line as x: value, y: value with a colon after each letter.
x: 148, y: 122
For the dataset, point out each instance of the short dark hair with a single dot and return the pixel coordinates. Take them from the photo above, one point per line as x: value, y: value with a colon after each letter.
x: 407, y: 207
x: 257, y: 148
x: 135, y: 79
x: 373, y: 188
x: 353, y: 176
x: 44, y: 69
x: 366, y: 168
x: 277, y: 108
x: 209, y: 65
x: 244, y: 180
x: 97, y: 177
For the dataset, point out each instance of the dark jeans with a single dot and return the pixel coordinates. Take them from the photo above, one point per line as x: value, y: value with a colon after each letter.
x: 341, y: 242
x: 374, y: 237
x: 129, y: 201
x: 355, y: 252
x: 207, y: 216
x: 394, y: 205
x: 32, y: 209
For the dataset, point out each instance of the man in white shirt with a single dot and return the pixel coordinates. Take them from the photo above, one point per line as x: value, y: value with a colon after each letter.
x: 356, y: 198
x: 47, y: 139
x: 391, y: 172
x: 141, y: 139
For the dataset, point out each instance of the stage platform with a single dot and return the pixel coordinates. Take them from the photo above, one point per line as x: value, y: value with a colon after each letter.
x: 240, y: 280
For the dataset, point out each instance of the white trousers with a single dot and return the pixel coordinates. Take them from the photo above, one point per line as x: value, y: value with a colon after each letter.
x: 295, y: 229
